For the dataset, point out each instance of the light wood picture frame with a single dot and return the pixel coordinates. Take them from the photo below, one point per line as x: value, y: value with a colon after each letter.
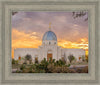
x: 6, y: 8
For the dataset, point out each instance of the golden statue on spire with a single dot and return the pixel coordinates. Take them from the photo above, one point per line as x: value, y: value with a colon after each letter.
x: 49, y: 25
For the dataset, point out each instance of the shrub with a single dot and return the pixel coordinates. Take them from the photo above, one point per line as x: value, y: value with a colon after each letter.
x: 13, y: 61
x: 41, y: 71
x: 25, y: 71
x: 50, y: 68
x: 59, y: 63
x: 86, y: 58
x: 71, y: 58
x: 44, y: 62
x: 22, y: 67
x: 63, y: 59
x: 17, y: 71
x: 83, y: 58
x: 61, y: 69
x: 16, y: 62
x: 72, y: 71
x: 57, y: 70
x: 68, y: 65
x: 29, y: 58
x: 79, y: 70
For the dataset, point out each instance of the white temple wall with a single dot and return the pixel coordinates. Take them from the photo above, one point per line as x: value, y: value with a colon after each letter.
x: 59, y: 55
x: 41, y: 52
x: 75, y: 52
x: 22, y: 52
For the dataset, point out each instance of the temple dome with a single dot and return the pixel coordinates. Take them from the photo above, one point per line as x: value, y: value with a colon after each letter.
x: 49, y: 35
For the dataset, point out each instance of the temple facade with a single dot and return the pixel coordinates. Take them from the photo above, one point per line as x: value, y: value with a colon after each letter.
x: 48, y: 49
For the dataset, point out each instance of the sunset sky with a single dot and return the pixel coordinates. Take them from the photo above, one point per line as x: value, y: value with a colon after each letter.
x: 28, y: 29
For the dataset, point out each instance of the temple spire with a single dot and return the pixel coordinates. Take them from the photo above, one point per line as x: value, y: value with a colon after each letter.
x: 50, y: 26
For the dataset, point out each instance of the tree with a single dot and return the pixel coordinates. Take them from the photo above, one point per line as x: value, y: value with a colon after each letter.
x: 71, y: 58
x: 83, y: 58
x: 80, y: 14
x: 28, y: 57
x: 63, y: 59
x: 86, y: 57
x: 13, y: 61
x: 16, y: 61
x: 13, y: 13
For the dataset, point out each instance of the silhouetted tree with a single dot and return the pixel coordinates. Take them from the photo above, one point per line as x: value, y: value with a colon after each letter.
x: 13, y: 13
x: 86, y: 58
x: 83, y: 58
x: 28, y: 57
x: 71, y: 58
x: 13, y: 61
x: 80, y: 14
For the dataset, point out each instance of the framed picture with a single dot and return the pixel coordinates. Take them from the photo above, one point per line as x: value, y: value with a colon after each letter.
x: 49, y: 42
x: 36, y: 49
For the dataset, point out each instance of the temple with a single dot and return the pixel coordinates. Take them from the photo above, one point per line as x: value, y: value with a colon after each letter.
x: 48, y: 49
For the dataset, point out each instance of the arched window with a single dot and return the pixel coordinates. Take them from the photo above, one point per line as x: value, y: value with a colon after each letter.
x: 36, y: 59
x: 19, y: 58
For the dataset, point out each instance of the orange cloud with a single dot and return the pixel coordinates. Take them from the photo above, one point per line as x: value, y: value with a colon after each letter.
x: 68, y: 44
x: 20, y: 39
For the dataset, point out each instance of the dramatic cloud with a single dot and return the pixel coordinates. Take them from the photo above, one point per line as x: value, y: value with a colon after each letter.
x: 28, y: 29
x: 23, y: 40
